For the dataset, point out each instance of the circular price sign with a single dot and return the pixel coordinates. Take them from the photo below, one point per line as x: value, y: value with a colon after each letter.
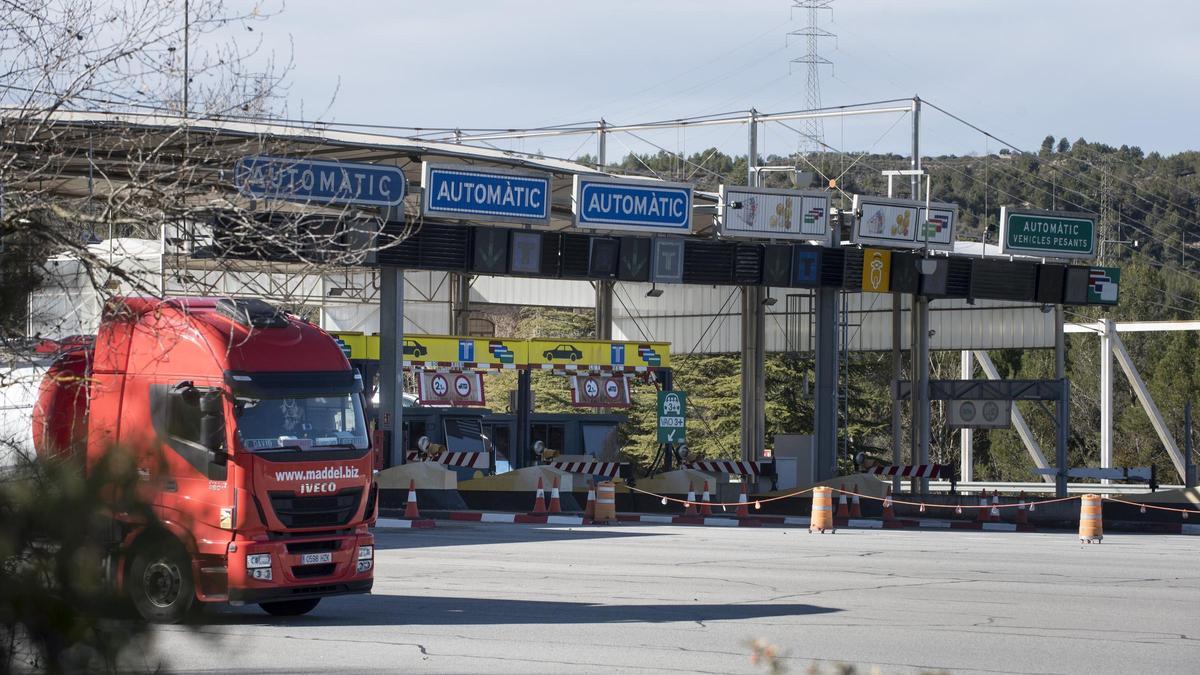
x: 590, y: 388
x: 439, y: 386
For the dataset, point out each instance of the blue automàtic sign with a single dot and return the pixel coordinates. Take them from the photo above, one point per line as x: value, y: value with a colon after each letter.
x: 319, y: 181
x: 603, y: 202
x: 459, y: 191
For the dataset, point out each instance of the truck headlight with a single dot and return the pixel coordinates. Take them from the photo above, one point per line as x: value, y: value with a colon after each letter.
x: 258, y: 560
x: 363, y: 566
x: 366, y: 552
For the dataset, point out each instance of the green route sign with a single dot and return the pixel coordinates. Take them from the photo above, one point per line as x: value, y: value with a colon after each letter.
x: 672, y: 416
x: 1050, y: 234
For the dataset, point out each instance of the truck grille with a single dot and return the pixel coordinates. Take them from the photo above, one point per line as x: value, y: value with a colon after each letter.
x: 316, y: 511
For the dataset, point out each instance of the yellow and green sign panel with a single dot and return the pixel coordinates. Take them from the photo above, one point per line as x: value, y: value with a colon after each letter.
x: 502, y: 353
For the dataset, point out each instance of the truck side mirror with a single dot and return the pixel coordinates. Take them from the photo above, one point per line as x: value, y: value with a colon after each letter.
x: 212, y: 424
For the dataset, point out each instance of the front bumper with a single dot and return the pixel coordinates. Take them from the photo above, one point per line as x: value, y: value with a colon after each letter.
x: 292, y: 577
x: 256, y: 595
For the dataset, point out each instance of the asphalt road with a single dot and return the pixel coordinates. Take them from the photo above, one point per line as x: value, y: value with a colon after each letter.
x: 482, y: 598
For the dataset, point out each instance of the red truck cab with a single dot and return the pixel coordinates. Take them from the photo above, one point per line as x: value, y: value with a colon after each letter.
x: 250, y: 441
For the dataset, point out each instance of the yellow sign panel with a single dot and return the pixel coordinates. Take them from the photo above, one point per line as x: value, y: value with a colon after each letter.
x: 567, y: 352
x: 501, y: 353
x: 877, y: 270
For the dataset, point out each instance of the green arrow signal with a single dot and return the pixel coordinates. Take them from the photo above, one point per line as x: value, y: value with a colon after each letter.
x: 492, y: 256
x: 636, y: 263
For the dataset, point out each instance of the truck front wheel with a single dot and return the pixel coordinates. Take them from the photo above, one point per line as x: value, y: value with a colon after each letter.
x: 290, y: 607
x: 160, y: 582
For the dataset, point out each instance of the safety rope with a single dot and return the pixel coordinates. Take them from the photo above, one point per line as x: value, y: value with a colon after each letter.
x: 1152, y: 506
x: 758, y: 501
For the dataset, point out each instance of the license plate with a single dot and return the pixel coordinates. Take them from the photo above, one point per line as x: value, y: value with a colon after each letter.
x: 316, y: 558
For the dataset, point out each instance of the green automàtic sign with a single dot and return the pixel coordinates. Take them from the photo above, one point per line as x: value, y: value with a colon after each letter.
x: 1050, y: 234
x: 672, y: 416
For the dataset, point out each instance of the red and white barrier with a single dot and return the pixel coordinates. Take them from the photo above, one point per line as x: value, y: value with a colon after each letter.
x: 732, y: 468
x: 914, y: 470
x: 606, y: 469
x: 462, y: 460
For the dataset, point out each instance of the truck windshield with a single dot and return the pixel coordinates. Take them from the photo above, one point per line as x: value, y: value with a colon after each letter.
x: 317, y: 421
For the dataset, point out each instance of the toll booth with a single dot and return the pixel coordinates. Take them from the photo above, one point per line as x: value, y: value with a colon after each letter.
x: 594, y: 435
x: 460, y: 431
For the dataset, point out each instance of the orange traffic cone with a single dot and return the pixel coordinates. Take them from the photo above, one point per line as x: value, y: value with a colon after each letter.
x: 589, y: 511
x: 539, y: 503
x: 690, y: 508
x: 555, y: 504
x: 888, y: 512
x: 855, y: 504
x: 742, y: 510
x: 1022, y: 517
x: 843, y: 510
x: 410, y: 509
x: 705, y: 500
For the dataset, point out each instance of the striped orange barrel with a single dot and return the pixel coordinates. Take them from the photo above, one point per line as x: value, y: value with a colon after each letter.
x: 1091, y: 523
x: 822, y: 510
x: 606, y: 502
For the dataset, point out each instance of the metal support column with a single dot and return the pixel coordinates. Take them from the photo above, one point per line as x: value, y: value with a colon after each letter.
x: 920, y: 375
x: 966, y: 459
x: 1060, y: 373
x: 1060, y: 447
x: 897, y: 375
x: 604, y: 298
x: 825, y: 403
x: 391, y: 362
x: 1106, y: 397
x: 459, y: 286
x: 604, y: 289
x: 602, y: 145
x: 915, y: 161
x: 522, y: 445
x: 1189, y: 464
x: 753, y: 318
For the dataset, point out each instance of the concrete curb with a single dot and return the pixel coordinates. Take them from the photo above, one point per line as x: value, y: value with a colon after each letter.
x: 403, y: 523
x: 765, y: 521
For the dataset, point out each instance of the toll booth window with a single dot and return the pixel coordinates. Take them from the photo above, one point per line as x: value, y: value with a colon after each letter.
x: 464, y: 434
x: 501, y: 440
x: 601, y: 441
x: 553, y: 435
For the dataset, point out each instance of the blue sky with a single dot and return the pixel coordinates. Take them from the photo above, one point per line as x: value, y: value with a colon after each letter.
x: 1120, y: 73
